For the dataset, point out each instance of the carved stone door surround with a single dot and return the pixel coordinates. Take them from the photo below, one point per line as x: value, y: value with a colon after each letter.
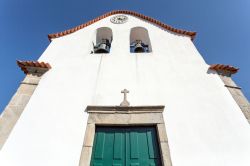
x: 125, y: 116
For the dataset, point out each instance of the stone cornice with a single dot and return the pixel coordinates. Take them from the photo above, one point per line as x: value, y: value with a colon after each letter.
x: 127, y: 110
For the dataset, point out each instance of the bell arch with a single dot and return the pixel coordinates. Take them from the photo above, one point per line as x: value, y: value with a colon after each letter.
x: 103, y: 40
x: 139, y: 40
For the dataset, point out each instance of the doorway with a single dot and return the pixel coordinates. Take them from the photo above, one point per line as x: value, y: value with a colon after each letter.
x: 125, y: 146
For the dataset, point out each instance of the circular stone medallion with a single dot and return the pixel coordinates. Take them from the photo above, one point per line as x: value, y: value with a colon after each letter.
x: 119, y: 19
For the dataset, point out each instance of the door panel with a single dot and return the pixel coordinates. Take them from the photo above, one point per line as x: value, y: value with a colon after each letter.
x: 133, y: 145
x: 125, y: 146
x: 98, y: 165
x: 100, y: 140
x: 118, y: 145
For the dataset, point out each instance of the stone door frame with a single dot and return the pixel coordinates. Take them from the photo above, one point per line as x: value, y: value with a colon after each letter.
x: 125, y: 116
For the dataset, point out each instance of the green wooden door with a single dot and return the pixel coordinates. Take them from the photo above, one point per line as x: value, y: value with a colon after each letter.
x: 125, y: 146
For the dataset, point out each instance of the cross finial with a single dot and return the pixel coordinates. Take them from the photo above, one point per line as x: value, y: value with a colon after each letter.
x: 124, y: 102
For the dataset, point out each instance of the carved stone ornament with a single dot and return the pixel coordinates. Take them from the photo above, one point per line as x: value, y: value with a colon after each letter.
x: 119, y: 19
x: 125, y: 102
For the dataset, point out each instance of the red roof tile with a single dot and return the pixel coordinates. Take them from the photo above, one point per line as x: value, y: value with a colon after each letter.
x: 156, y: 22
x: 24, y: 64
x: 225, y: 68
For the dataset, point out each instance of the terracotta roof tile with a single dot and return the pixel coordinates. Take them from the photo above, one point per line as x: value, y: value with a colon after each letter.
x: 224, y: 68
x: 165, y: 26
x: 25, y: 64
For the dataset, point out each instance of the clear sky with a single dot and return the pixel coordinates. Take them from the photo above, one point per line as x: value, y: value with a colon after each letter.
x: 223, y: 28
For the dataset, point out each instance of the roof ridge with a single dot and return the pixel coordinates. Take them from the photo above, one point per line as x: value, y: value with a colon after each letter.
x: 150, y: 19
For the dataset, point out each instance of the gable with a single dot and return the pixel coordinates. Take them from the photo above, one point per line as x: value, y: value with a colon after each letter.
x: 141, y: 16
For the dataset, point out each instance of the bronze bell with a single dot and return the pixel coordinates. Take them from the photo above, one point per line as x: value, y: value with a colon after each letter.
x: 102, y: 47
x: 139, y: 47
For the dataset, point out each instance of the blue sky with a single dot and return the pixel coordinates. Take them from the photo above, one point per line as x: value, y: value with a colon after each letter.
x: 223, y: 29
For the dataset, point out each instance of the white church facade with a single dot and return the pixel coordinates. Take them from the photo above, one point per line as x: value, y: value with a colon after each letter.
x: 125, y: 90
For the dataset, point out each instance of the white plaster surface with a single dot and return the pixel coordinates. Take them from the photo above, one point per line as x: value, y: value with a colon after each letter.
x: 205, y: 126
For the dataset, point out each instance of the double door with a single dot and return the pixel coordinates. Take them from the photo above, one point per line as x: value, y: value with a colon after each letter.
x: 125, y: 146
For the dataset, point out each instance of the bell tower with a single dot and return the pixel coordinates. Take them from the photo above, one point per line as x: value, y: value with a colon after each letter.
x: 125, y: 89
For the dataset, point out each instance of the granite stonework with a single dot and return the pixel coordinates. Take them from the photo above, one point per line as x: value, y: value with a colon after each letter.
x: 125, y: 116
x: 238, y: 95
x: 20, y: 99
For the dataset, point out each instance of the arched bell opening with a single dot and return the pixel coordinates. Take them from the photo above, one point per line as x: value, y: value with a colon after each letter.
x: 103, y: 40
x: 139, y: 40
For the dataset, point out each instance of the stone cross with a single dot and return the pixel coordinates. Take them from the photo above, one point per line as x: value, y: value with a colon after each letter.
x: 124, y: 103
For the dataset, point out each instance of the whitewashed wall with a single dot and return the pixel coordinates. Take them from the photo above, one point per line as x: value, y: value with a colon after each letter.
x: 205, y: 126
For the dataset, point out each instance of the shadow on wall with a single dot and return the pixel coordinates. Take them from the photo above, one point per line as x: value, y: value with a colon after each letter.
x: 209, y: 71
